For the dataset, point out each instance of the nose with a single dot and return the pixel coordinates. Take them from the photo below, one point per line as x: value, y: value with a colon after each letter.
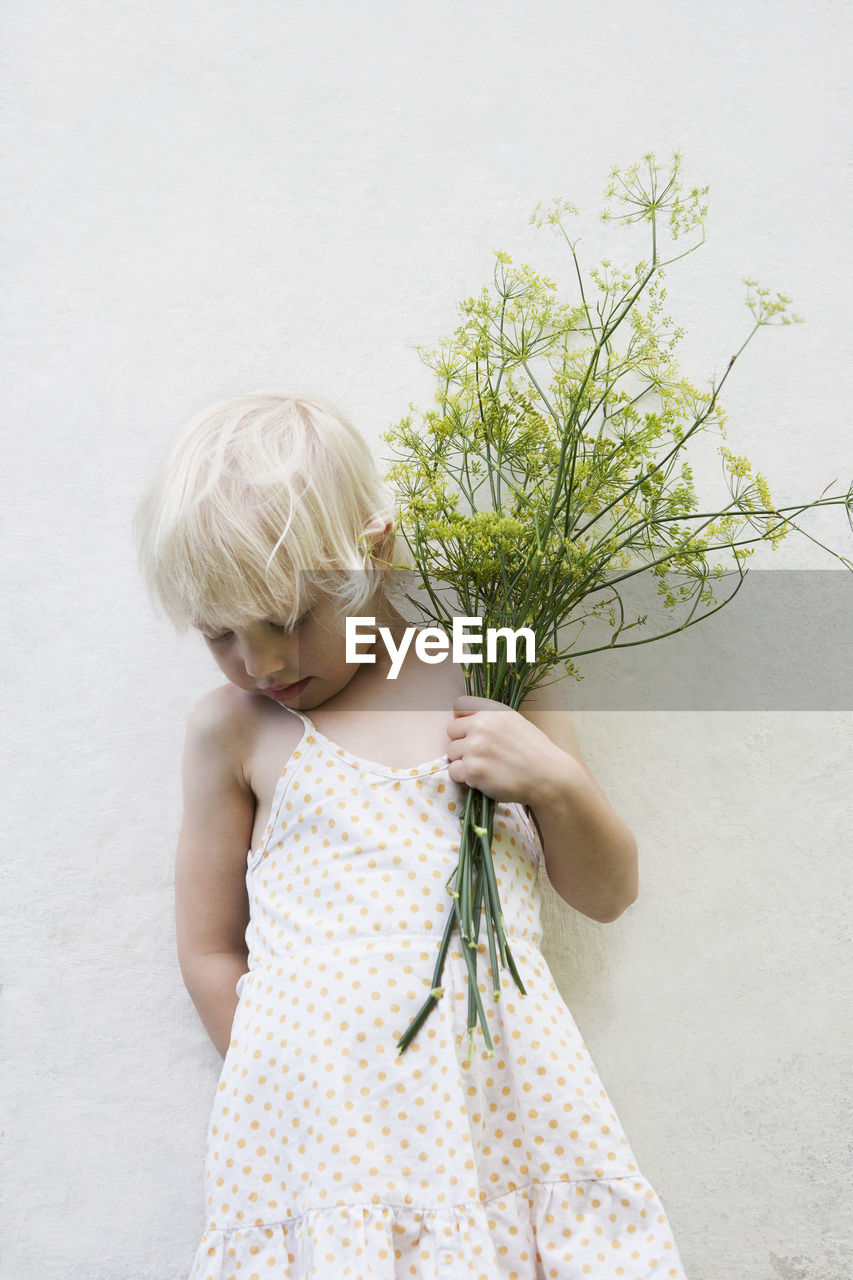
x: 264, y: 655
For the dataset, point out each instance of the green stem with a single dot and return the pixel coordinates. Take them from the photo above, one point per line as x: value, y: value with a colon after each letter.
x: 436, y: 992
x: 476, y: 884
x: 478, y: 900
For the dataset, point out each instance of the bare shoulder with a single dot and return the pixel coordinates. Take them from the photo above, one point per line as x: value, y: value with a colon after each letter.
x: 215, y: 710
x: 220, y: 713
x: 244, y: 736
x: 224, y: 725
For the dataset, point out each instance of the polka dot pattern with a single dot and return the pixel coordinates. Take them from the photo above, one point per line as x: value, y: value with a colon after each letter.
x: 328, y: 1153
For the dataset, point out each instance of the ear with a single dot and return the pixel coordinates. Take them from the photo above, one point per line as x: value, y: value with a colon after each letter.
x: 378, y: 538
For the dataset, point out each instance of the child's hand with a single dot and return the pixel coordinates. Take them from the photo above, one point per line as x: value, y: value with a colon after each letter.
x: 502, y: 754
x: 590, y: 853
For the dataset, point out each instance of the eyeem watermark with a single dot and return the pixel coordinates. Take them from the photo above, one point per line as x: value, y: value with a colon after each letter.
x: 433, y: 645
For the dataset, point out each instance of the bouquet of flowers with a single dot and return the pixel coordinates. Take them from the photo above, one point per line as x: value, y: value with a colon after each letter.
x: 553, y: 470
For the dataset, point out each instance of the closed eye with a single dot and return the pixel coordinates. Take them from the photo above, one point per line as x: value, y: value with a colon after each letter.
x: 279, y: 626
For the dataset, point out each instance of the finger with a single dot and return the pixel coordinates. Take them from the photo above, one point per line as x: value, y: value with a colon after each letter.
x: 467, y: 704
x: 457, y: 728
x: 455, y: 772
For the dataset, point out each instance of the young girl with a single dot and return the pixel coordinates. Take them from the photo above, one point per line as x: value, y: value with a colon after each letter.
x: 330, y: 1154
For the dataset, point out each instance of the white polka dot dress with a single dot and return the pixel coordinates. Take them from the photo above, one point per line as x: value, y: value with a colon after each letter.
x: 332, y: 1157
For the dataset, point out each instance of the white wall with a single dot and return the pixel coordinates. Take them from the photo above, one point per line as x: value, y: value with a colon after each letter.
x: 207, y: 198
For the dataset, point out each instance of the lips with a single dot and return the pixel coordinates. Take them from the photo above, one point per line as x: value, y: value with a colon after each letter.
x: 281, y: 691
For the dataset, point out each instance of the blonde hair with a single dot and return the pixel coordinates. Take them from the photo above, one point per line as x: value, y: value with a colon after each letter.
x: 263, y: 499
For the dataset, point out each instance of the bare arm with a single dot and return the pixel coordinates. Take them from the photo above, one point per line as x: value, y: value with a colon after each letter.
x: 211, y: 904
x: 590, y: 852
x: 532, y: 757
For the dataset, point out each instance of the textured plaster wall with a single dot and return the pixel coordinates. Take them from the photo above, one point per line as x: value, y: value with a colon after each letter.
x: 206, y: 198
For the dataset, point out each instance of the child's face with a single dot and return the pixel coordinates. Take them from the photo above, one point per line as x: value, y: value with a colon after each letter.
x: 303, y: 667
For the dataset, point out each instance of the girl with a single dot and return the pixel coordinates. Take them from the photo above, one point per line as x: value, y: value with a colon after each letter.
x: 329, y: 1154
